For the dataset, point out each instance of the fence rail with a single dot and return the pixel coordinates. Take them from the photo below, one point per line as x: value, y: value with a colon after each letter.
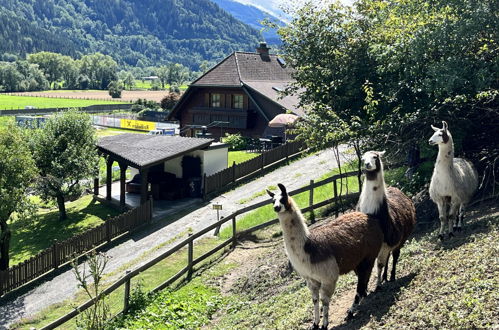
x: 221, y: 179
x: 63, y: 252
x: 338, y: 199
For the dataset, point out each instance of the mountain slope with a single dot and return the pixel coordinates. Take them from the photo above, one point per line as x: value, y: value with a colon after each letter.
x: 252, y: 16
x: 134, y: 32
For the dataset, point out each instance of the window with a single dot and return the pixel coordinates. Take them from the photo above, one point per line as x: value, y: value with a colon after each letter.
x: 237, y: 101
x: 215, y: 100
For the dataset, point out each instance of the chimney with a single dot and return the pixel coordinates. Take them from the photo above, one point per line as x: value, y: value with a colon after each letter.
x: 263, y: 49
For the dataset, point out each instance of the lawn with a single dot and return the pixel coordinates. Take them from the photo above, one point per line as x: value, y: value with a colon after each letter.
x: 240, y: 156
x: 266, y: 213
x: 8, y: 102
x: 39, y: 232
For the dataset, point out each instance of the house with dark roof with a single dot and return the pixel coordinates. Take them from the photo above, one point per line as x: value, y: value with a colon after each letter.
x: 241, y: 94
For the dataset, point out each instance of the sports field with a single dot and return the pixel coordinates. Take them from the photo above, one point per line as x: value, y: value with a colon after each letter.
x: 8, y: 102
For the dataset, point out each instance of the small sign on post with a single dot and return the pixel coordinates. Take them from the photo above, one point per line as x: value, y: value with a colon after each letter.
x: 217, y: 206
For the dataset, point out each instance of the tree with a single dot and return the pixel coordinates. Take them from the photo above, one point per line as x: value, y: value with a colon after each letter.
x: 169, y: 101
x: 52, y: 64
x: 162, y: 73
x: 129, y: 80
x: 114, y: 89
x: 18, y: 171
x: 380, y: 73
x: 66, y: 156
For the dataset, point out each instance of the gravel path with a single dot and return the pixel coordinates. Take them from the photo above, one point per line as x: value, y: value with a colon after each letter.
x: 62, y: 288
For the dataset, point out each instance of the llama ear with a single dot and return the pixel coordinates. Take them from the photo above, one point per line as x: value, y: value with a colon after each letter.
x: 434, y: 128
x: 283, y: 189
x: 446, y: 127
x: 271, y: 194
x: 381, y: 153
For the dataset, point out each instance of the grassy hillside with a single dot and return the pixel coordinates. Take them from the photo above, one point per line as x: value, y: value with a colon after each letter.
x: 439, y: 285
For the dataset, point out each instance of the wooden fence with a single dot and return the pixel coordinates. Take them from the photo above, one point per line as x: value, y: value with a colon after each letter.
x: 63, y: 252
x: 337, y: 200
x: 220, y: 180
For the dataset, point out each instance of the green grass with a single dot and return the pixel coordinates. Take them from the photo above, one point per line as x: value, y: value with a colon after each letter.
x: 266, y: 213
x: 31, y: 236
x: 240, y: 156
x: 255, y: 195
x: 8, y: 102
x: 147, y: 84
x: 147, y: 281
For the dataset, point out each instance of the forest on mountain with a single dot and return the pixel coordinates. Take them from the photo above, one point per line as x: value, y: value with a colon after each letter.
x: 133, y: 32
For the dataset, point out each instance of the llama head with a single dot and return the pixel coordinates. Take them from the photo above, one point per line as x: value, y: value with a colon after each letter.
x: 280, y: 200
x: 441, y: 135
x: 371, y: 161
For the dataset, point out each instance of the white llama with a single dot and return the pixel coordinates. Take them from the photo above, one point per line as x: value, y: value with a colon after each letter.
x: 321, y: 254
x: 453, y: 183
x: 391, y: 207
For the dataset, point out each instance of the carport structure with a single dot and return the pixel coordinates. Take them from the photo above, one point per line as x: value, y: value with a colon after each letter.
x: 142, y: 152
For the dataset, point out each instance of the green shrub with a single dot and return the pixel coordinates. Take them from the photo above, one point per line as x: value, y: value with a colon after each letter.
x: 235, y: 141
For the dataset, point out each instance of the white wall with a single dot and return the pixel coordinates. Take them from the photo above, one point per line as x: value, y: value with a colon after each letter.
x: 215, y: 160
x: 212, y: 161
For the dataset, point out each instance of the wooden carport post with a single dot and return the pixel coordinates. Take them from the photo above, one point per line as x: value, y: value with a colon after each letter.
x: 109, y: 177
x: 143, y: 185
x: 123, y: 168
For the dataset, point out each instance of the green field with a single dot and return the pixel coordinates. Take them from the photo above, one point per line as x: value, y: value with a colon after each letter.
x: 147, y: 84
x: 8, y: 102
x: 240, y: 156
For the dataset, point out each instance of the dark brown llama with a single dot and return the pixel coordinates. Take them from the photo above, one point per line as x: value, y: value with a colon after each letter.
x: 321, y: 254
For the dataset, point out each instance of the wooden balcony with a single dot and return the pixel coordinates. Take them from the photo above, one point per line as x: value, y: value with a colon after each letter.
x: 237, y: 118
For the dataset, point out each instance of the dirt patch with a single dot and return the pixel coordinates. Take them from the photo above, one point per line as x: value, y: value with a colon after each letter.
x: 263, y: 270
x: 127, y: 96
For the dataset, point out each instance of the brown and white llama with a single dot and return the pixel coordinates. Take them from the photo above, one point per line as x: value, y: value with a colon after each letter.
x: 453, y: 183
x: 321, y: 254
x: 393, y: 210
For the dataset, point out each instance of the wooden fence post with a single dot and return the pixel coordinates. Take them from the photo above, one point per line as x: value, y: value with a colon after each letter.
x: 335, y: 191
x: 263, y: 160
x: 190, y: 257
x: 108, y: 231
x: 311, y: 201
x: 234, y: 171
x: 3, y: 281
x: 55, y: 262
x: 234, y: 234
x: 287, y: 153
x: 126, y: 302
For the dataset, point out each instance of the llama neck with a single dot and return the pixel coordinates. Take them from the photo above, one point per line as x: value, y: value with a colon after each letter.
x: 445, y: 153
x: 373, y: 193
x: 293, y: 226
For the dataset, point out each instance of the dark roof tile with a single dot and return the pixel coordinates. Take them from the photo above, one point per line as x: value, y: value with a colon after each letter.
x: 143, y: 150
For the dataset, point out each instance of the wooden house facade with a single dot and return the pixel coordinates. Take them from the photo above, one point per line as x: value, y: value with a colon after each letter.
x: 241, y: 94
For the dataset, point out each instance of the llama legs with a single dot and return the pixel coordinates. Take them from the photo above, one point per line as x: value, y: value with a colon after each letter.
x: 396, y: 254
x: 327, y: 291
x: 314, y: 287
x: 442, y: 212
x: 460, y: 218
x: 383, y: 255
x: 453, y: 218
x: 363, y: 272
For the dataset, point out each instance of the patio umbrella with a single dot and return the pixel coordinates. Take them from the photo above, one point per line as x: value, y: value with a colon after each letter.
x: 283, y: 120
